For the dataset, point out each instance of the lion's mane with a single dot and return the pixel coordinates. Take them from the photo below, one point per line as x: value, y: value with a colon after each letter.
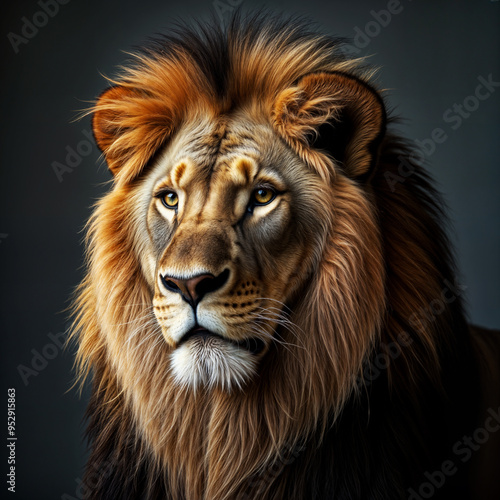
x: 324, y: 421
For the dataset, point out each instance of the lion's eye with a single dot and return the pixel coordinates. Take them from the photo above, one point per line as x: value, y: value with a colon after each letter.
x: 263, y: 196
x: 170, y: 199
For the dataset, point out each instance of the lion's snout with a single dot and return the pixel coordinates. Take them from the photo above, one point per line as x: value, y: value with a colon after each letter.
x: 194, y: 288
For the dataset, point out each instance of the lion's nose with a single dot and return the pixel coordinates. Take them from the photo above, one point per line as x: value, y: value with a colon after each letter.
x: 195, y: 288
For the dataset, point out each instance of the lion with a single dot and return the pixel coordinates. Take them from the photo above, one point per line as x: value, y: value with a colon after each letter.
x: 271, y: 309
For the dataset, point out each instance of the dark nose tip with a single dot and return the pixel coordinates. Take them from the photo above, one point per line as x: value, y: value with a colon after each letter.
x: 195, y: 288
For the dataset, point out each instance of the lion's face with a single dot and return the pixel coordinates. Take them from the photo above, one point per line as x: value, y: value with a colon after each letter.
x: 242, y: 222
x: 232, y: 218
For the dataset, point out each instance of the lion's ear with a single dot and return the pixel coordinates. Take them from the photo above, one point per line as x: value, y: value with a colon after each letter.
x: 129, y: 127
x: 105, y: 120
x: 332, y: 116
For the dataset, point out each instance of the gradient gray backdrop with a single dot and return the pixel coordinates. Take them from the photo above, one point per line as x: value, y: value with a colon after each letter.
x: 430, y: 54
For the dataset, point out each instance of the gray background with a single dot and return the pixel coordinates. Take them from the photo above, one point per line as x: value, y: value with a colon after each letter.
x: 431, y: 55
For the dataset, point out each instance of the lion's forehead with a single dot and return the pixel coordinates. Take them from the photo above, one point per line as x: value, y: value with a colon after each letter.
x: 212, y: 143
x: 215, y: 160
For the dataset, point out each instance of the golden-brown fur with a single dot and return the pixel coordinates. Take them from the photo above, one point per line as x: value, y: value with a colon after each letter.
x: 327, y: 273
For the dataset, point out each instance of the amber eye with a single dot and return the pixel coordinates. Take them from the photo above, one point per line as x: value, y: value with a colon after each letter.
x: 263, y: 196
x: 170, y: 199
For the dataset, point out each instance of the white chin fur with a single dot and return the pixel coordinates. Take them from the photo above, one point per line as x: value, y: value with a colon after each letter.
x: 211, y: 363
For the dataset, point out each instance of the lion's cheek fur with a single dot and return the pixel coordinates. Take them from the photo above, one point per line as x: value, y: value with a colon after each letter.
x: 348, y: 293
